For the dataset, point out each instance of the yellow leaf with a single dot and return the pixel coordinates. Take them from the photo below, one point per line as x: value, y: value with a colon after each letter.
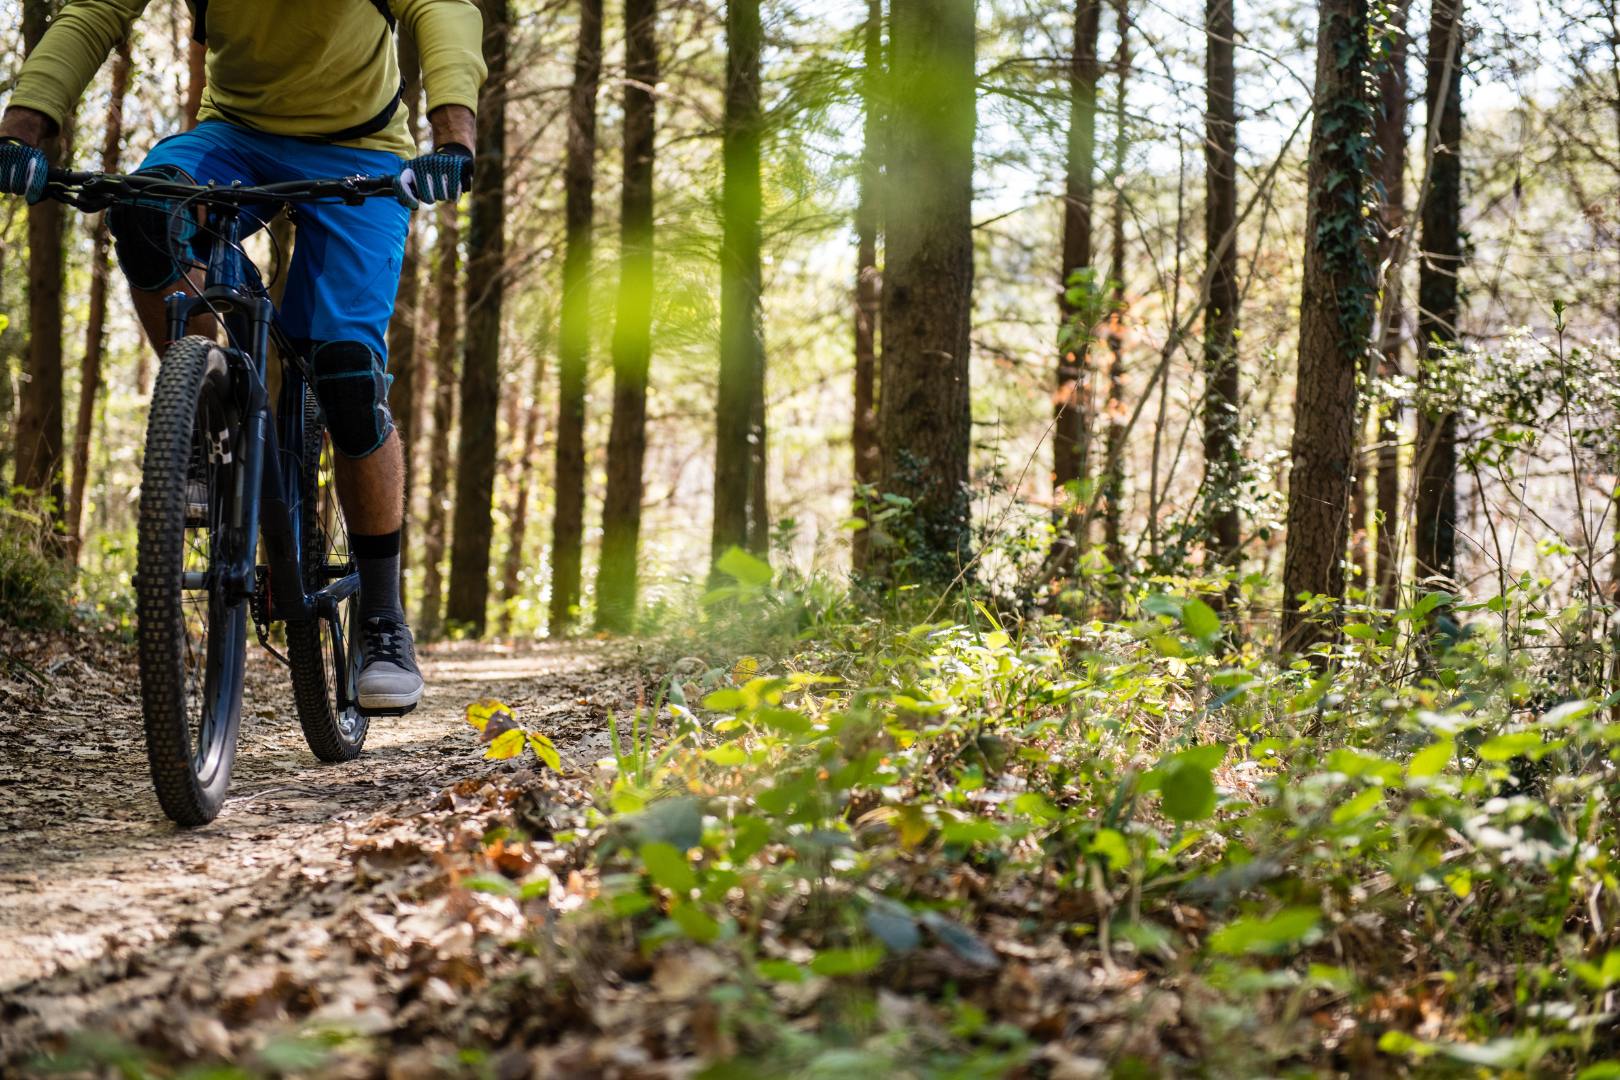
x: 479, y: 712
x: 545, y: 750
x: 745, y: 668
x: 912, y: 826
x: 508, y: 744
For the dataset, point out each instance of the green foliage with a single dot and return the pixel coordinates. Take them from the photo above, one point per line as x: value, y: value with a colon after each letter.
x: 36, y: 581
x: 1292, y: 842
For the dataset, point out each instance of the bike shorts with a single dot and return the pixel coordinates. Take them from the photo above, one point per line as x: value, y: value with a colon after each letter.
x: 345, y: 266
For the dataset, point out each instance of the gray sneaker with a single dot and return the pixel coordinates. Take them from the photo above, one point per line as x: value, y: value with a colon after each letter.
x: 389, y: 680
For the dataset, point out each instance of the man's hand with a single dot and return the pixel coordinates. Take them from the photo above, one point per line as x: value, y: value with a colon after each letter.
x: 447, y: 172
x: 23, y: 167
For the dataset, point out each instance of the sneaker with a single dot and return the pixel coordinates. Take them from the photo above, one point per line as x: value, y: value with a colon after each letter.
x: 389, y: 680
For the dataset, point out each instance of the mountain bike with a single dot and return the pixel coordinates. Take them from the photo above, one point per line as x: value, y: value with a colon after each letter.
x: 223, y: 469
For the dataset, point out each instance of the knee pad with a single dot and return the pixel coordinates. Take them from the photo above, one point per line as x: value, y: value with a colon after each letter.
x: 154, y: 243
x: 351, y: 384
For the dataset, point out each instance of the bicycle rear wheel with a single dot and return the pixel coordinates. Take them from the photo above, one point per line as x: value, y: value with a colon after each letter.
x: 192, y: 634
x: 334, y: 732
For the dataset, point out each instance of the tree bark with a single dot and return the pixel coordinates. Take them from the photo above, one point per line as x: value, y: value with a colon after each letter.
x: 1223, y: 460
x: 1440, y: 262
x: 924, y: 411
x: 403, y: 353
x: 574, y: 323
x: 196, y: 80
x: 522, y: 484
x: 739, y: 413
x: 1389, y: 133
x: 1335, y: 322
x: 481, y: 363
x: 868, y: 283
x: 446, y: 287
x: 616, y: 578
x: 1113, y: 479
x: 38, y: 435
x: 95, y: 326
x: 1071, y: 404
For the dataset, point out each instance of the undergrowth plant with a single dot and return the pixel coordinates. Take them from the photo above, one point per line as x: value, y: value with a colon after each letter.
x: 1404, y: 860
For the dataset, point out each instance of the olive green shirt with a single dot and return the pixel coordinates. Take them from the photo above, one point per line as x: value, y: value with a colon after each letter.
x: 307, y: 68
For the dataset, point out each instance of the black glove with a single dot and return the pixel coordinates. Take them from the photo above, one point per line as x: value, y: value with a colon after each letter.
x: 429, y: 178
x: 23, y: 170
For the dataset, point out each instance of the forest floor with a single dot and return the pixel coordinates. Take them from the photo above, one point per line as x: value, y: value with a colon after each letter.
x: 315, y: 895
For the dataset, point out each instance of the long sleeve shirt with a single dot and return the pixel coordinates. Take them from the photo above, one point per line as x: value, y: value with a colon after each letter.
x: 324, y: 69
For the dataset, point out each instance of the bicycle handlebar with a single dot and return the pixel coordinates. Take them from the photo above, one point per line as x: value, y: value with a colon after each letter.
x: 92, y: 191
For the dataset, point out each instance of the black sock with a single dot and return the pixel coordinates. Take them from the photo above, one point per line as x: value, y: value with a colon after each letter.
x: 376, y: 557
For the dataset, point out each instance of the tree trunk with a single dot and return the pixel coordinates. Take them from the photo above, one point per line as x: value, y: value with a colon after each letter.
x: 196, y: 80
x: 1335, y: 321
x: 38, y: 433
x: 1072, y: 419
x: 95, y: 327
x: 632, y: 328
x: 1441, y: 260
x: 574, y: 323
x: 446, y: 287
x: 739, y: 413
x: 1223, y: 457
x: 1389, y: 133
x: 481, y: 364
x: 868, y: 283
x: 523, y: 483
x: 403, y: 358
x: 1113, y: 480
x: 925, y: 412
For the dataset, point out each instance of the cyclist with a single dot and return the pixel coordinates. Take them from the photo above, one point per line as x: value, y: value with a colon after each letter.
x: 296, y: 89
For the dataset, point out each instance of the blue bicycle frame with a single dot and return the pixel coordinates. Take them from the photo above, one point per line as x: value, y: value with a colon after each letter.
x: 270, y: 443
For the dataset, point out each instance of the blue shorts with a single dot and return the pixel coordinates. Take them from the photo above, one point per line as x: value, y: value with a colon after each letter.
x: 345, y: 265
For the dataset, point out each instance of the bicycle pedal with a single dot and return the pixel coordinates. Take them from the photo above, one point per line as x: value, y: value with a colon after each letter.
x: 385, y: 712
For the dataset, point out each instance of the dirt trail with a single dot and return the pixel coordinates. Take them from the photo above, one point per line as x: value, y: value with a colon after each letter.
x: 93, y: 878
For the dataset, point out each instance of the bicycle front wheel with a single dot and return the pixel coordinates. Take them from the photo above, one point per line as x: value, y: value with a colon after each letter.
x: 192, y: 632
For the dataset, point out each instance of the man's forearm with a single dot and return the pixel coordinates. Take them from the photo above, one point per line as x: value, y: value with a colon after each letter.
x: 26, y: 125
x: 453, y: 124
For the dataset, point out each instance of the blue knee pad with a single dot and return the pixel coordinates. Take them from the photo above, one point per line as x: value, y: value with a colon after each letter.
x: 154, y: 243
x: 351, y: 383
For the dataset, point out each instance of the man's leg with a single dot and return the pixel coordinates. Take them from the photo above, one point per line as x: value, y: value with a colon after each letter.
x: 340, y: 296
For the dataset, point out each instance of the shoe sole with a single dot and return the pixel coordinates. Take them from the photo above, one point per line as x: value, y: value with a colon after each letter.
x: 389, y: 704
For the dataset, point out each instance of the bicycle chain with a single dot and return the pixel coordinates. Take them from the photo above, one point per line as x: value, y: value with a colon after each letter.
x: 259, y: 609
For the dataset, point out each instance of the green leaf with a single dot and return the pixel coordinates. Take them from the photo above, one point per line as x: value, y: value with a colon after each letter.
x: 1111, y: 845
x: 1511, y: 745
x: 727, y: 755
x: 694, y: 922
x: 677, y: 821
x: 1431, y: 760
x: 782, y: 971
x: 489, y: 883
x: 744, y: 568
x: 1603, y: 1070
x: 853, y: 961
x: 891, y: 923
x: 667, y: 865
x: 1189, y: 793
x: 1279, y: 933
x: 1200, y: 620
x: 725, y: 701
x: 1361, y: 803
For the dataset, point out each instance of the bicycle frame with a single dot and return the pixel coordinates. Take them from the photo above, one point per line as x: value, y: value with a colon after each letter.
x: 270, y: 442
